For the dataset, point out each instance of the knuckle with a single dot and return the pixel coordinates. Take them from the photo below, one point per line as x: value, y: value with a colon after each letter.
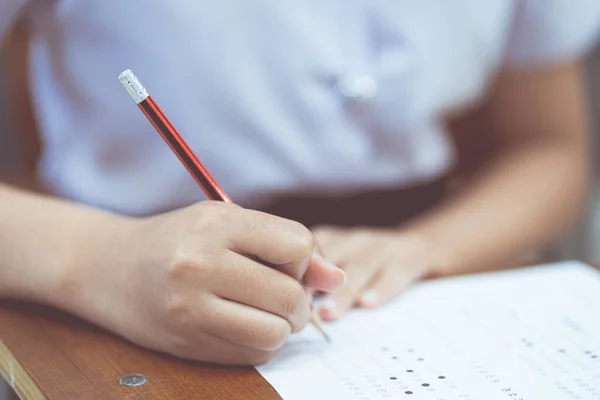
x: 180, y: 316
x: 305, y: 240
x: 194, y: 265
x: 184, y: 266
x: 185, y: 316
x: 214, y: 215
x: 292, y: 297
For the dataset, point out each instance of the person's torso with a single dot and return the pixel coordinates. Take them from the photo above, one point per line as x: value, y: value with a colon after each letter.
x: 273, y: 96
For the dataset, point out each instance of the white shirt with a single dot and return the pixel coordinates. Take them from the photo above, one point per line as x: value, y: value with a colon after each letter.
x: 274, y: 96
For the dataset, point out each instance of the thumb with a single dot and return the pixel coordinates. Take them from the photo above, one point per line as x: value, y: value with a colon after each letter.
x: 321, y: 275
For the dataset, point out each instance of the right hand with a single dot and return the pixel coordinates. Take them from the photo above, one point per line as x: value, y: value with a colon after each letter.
x: 189, y: 282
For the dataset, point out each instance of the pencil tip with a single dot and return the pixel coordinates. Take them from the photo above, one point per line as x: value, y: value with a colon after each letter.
x: 316, y: 321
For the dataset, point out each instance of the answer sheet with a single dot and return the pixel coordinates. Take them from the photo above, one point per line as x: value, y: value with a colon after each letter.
x: 528, y: 334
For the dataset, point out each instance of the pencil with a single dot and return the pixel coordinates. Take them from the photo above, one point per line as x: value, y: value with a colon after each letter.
x: 186, y: 155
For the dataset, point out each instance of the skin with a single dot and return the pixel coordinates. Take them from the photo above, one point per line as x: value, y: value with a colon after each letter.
x: 524, y: 196
x: 186, y: 282
x: 189, y: 282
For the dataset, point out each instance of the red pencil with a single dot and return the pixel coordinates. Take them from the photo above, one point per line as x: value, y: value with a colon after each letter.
x: 183, y: 151
x: 170, y: 134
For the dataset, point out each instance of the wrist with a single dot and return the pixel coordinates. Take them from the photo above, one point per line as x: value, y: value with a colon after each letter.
x: 437, y: 251
x: 87, y: 258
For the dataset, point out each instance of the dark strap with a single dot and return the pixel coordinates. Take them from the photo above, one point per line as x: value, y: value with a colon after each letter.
x: 374, y: 208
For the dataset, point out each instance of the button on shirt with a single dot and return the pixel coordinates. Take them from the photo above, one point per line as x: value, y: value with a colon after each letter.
x: 275, y: 97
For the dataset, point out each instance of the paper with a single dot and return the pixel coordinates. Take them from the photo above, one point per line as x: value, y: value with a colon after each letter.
x: 526, y: 334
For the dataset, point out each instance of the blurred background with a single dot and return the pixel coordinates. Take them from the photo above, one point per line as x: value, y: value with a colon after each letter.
x: 582, y: 243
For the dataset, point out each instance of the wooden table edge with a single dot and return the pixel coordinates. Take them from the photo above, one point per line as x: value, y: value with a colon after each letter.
x: 17, y: 376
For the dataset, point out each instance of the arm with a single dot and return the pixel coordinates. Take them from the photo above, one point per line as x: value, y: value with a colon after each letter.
x: 42, y: 240
x: 519, y: 199
x: 533, y: 187
x: 184, y: 282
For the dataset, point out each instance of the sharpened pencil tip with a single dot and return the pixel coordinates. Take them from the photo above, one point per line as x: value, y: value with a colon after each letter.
x: 316, y: 321
x: 133, y: 86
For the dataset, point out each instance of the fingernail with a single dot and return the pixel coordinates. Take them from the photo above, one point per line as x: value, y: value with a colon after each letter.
x: 331, y: 265
x: 329, y: 307
x: 369, y: 299
x: 335, y: 268
x: 344, y: 276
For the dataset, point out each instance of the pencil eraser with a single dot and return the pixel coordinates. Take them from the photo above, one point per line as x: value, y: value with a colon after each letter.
x: 133, y: 86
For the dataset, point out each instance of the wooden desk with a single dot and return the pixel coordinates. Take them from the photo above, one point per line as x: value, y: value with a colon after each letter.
x: 48, y: 355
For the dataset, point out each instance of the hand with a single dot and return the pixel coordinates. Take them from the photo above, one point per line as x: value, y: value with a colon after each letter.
x: 190, y: 282
x: 379, y: 265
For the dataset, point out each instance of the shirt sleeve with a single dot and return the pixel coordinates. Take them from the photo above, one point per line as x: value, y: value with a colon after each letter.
x: 547, y: 31
x: 9, y: 10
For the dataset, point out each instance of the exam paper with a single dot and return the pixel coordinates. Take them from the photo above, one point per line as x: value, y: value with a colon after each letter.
x: 526, y: 334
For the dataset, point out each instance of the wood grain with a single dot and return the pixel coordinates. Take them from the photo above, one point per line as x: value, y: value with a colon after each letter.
x: 16, y: 376
x: 64, y: 358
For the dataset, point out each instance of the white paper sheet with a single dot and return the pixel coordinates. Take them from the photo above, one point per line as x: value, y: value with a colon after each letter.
x: 520, y: 335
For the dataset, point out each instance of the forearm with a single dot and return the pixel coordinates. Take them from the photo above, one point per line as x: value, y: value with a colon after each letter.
x: 524, y: 200
x: 41, y: 241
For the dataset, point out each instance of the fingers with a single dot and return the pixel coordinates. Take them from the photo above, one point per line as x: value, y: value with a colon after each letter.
x: 336, y: 304
x: 216, y: 350
x: 236, y: 323
x: 322, y: 275
x: 288, y: 247
x: 326, y: 236
x: 387, y: 283
x: 342, y: 248
x: 413, y: 264
x: 359, y: 267
x: 335, y: 244
x: 247, y: 326
x: 371, y: 282
x: 348, y: 252
x: 248, y: 282
x: 283, y: 243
